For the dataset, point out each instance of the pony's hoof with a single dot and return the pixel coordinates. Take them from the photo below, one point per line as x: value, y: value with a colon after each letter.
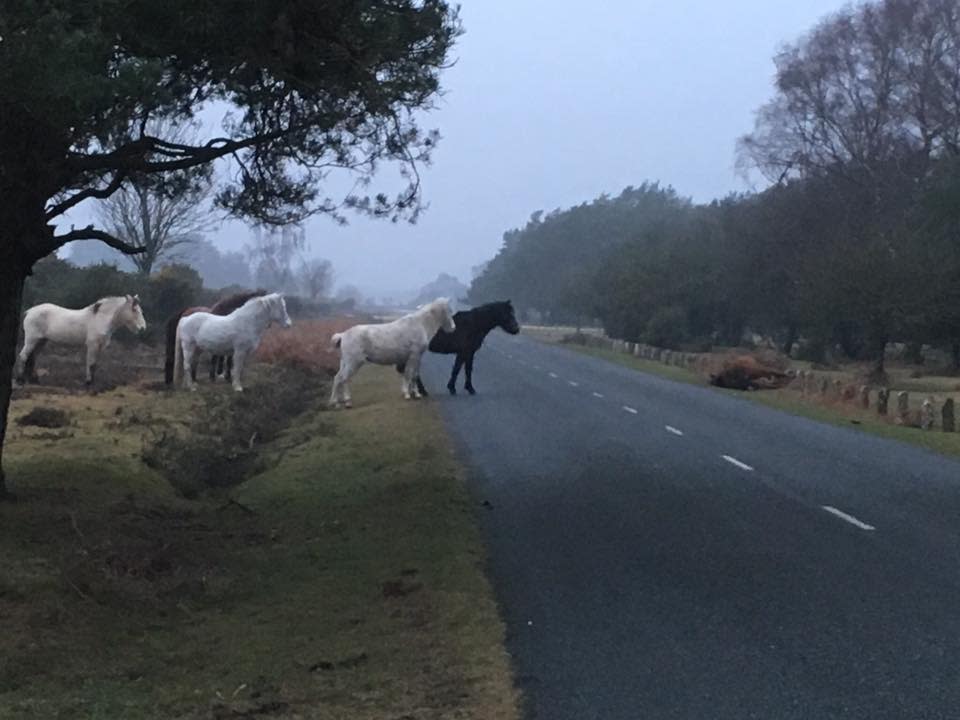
x: 348, y: 405
x: 193, y: 388
x: 237, y: 389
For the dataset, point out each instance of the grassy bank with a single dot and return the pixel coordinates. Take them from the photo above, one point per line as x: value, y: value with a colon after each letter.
x: 789, y: 400
x: 342, y: 580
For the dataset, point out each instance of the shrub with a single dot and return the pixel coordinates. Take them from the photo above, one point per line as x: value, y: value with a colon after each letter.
x: 667, y: 327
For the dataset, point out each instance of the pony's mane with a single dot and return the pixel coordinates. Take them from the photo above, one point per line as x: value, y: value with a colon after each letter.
x: 230, y: 303
x: 109, y: 301
x: 428, y: 307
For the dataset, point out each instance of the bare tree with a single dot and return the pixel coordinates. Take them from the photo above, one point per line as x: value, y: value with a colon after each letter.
x: 316, y: 278
x: 271, y: 255
x: 158, y: 215
x: 866, y: 104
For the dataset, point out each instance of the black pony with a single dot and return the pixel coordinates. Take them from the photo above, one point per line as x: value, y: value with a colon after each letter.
x: 472, y: 328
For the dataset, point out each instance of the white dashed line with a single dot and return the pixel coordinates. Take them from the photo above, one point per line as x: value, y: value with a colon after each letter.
x: 554, y: 375
x: 671, y: 429
x: 630, y: 410
x: 573, y: 383
x: 597, y: 395
x: 849, y: 518
x: 734, y: 461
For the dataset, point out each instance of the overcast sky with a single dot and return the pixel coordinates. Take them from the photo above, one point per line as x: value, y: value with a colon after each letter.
x: 552, y: 102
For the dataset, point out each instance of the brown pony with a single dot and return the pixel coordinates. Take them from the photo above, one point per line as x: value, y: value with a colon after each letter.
x: 224, y: 306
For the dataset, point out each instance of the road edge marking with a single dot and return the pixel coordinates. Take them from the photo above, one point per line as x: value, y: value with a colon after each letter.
x: 738, y: 463
x: 848, y: 518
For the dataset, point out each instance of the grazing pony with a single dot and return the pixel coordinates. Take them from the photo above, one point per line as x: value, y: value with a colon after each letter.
x: 224, y: 306
x: 401, y: 342
x: 472, y: 327
x: 238, y: 333
x: 92, y: 326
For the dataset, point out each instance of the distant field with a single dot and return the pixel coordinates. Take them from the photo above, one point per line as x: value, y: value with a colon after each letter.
x: 215, y: 555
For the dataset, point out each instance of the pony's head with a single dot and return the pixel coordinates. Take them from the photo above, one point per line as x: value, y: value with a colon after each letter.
x: 278, y: 309
x: 506, y: 318
x: 440, y: 310
x: 130, y: 314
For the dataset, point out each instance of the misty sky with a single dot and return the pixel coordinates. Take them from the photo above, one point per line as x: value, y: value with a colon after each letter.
x: 553, y: 102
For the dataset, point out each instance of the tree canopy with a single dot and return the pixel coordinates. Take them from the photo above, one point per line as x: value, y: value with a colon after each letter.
x: 310, y: 87
x: 314, y: 86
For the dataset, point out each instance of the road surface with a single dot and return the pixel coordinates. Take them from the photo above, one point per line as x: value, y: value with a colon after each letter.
x: 662, y: 550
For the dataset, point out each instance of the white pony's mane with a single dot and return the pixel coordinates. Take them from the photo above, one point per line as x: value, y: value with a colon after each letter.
x: 109, y: 302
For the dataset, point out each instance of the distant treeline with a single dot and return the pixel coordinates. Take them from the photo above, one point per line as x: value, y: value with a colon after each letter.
x: 856, y: 244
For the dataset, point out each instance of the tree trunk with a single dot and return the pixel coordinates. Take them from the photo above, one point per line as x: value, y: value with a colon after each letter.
x: 915, y: 353
x: 791, y: 339
x: 13, y: 273
x: 878, y: 349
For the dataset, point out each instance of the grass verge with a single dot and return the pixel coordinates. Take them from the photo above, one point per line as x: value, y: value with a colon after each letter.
x: 840, y: 414
x: 345, y: 580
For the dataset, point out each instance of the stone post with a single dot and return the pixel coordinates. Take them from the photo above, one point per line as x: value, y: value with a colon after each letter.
x: 947, y: 417
x: 903, y: 405
x: 926, y: 414
x: 883, y: 397
x: 865, y: 397
x: 824, y: 386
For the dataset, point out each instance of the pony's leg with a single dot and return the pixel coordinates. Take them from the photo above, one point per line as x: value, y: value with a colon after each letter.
x: 410, y: 375
x: 26, y: 367
x: 239, y: 359
x: 341, y: 382
x: 194, y: 365
x: 457, y: 364
x: 190, y: 358
x: 93, y: 352
x: 214, y: 359
x: 226, y: 367
x: 468, y: 367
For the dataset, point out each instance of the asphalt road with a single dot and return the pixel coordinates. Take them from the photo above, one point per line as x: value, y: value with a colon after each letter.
x: 661, y: 550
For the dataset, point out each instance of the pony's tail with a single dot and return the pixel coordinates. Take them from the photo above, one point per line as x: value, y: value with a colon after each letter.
x: 335, y: 340
x: 171, y: 348
x: 178, y: 357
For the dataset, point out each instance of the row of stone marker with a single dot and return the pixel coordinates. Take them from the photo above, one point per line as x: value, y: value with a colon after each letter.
x: 810, y: 384
x: 692, y: 361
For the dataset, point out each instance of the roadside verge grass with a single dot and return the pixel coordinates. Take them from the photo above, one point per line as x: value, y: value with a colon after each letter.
x: 345, y: 580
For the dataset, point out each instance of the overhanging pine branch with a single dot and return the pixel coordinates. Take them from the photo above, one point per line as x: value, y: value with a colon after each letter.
x: 134, y: 156
x: 96, y: 193
x: 92, y: 233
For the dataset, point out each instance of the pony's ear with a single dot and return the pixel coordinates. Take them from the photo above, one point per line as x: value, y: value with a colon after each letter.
x: 96, y: 307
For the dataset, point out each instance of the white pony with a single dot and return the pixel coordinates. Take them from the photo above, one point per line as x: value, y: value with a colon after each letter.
x: 92, y: 326
x: 238, y: 333
x: 401, y: 342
